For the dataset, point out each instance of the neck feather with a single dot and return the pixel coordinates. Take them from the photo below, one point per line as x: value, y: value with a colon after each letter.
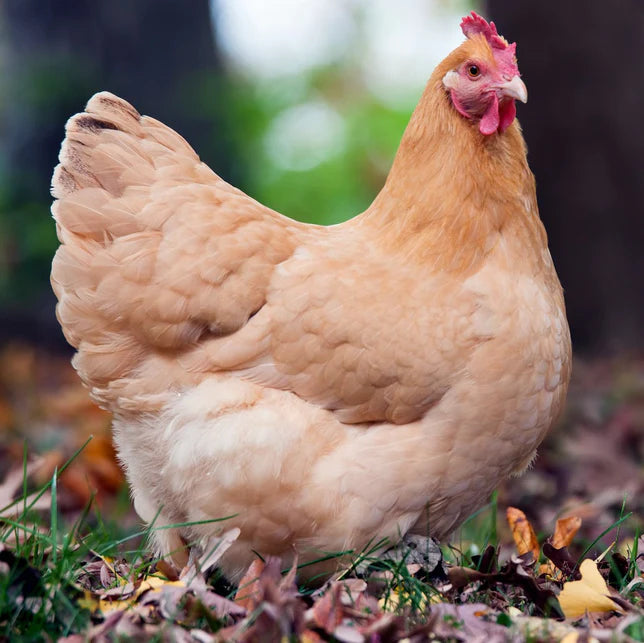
x: 451, y: 190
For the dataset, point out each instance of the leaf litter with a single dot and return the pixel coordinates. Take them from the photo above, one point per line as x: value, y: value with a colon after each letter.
x: 584, y: 582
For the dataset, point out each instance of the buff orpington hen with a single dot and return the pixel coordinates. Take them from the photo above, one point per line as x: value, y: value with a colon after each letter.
x: 322, y: 387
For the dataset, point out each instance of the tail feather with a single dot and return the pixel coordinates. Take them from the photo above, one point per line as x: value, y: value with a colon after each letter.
x: 156, y: 249
x: 91, y: 212
x: 104, y: 112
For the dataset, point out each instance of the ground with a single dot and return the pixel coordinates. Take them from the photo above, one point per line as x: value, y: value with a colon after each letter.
x: 73, y: 561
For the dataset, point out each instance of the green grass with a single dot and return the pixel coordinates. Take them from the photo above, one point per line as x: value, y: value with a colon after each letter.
x: 38, y: 589
x: 43, y: 556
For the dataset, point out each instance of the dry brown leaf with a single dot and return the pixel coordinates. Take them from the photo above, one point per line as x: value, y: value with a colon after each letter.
x: 464, y: 623
x: 167, y: 568
x: 99, y: 457
x: 565, y: 531
x: 11, y: 486
x: 17, y: 364
x: 125, y: 594
x: 524, y: 537
x: 75, y: 480
x: 590, y: 594
x: 51, y: 460
x: 94, y: 472
x: 328, y: 611
x: 6, y: 415
x: 249, y: 593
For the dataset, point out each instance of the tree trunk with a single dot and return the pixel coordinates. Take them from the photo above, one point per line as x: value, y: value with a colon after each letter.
x: 583, y: 126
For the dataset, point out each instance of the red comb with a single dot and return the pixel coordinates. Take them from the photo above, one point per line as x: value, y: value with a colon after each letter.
x: 475, y: 24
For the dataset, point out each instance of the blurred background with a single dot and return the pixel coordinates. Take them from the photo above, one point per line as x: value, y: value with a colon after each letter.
x: 302, y: 103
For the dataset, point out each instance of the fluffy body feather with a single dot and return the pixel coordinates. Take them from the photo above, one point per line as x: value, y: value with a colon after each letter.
x: 327, y: 387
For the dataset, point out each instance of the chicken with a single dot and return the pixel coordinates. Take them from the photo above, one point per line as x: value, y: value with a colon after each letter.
x: 316, y: 388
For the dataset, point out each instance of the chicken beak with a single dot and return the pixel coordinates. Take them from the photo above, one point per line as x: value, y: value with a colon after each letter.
x: 515, y: 88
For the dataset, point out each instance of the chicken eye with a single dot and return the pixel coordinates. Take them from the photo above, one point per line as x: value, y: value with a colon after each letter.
x: 473, y: 71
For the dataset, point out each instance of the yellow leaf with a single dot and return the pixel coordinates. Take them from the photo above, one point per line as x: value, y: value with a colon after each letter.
x: 549, y: 569
x: 152, y: 583
x: 590, y: 594
x: 399, y: 598
x: 95, y: 605
x: 524, y: 537
x: 88, y: 602
x: 571, y: 637
x: 105, y: 607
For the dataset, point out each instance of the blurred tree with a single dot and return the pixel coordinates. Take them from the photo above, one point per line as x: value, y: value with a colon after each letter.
x: 582, y: 125
x: 159, y: 54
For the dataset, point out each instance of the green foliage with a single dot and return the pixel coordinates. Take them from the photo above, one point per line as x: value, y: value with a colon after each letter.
x: 27, y: 245
x: 337, y: 188
x: 38, y: 590
x: 35, y: 105
x: 343, y: 184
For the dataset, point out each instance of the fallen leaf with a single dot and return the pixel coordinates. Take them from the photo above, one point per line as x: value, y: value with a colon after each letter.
x: 590, y: 594
x: 348, y: 634
x: 6, y: 415
x: 128, y: 594
x: 51, y: 460
x: 524, y: 537
x: 571, y: 637
x: 565, y: 531
x: 517, y: 573
x: 537, y: 628
x: 562, y: 560
x: 328, y: 611
x: 414, y: 549
x: 213, y: 550
x: 249, y: 593
x: 279, y: 615
x: 118, y: 592
x: 487, y: 562
x: 465, y: 623
x: 10, y: 507
x: 460, y: 577
x: 309, y: 636
x: 168, y: 569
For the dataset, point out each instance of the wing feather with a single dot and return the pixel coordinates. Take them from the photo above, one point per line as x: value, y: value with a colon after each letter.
x: 156, y: 249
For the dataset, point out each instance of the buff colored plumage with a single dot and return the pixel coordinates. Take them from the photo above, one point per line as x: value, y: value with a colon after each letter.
x: 327, y: 387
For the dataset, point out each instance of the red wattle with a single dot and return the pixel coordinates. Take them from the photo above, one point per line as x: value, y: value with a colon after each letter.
x: 508, y: 112
x: 490, y: 120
